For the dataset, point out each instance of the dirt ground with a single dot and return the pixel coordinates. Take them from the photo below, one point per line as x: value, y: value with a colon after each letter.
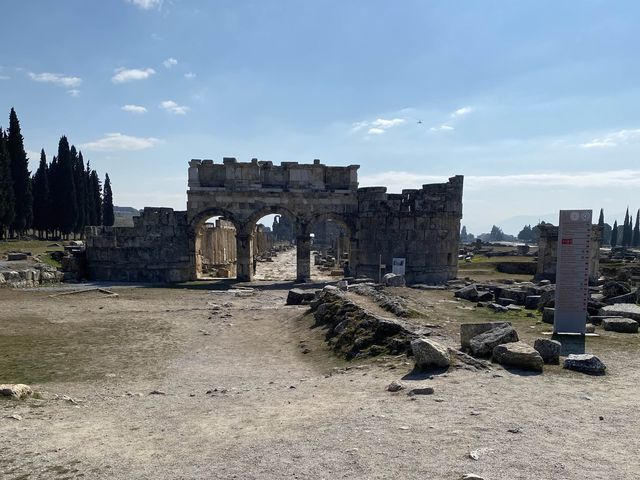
x: 236, y: 397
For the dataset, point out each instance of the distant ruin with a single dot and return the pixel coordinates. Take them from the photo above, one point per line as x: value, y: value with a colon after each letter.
x: 419, y: 225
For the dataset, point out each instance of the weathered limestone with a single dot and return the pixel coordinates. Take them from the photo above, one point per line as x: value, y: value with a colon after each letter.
x: 297, y: 296
x: 549, y: 350
x: 626, y: 310
x: 430, y: 354
x: 470, y: 330
x: 482, y: 345
x: 16, y: 391
x: 585, y: 363
x: 620, y: 325
x: 518, y: 355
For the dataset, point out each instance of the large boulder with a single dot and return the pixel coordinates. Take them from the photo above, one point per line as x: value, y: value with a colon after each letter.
x: 626, y: 310
x: 394, y: 280
x: 549, y: 350
x: 470, y: 292
x: 470, y: 330
x: 631, y: 297
x: 518, y: 355
x: 17, y: 391
x: 615, y: 289
x: 482, y: 345
x: 430, y: 354
x: 548, y: 315
x: 298, y: 296
x: 620, y: 325
x: 585, y: 363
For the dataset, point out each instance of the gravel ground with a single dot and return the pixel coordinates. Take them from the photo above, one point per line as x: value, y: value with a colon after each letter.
x: 236, y: 397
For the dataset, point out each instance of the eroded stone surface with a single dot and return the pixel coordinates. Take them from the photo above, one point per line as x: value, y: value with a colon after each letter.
x: 482, y: 345
x: 518, y: 355
x: 585, y: 363
x: 430, y: 354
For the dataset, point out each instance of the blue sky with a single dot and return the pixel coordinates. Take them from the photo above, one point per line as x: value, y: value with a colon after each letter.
x: 534, y: 102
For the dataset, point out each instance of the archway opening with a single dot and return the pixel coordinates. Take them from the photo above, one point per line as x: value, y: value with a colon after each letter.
x: 274, y: 248
x: 330, y: 249
x: 216, y: 249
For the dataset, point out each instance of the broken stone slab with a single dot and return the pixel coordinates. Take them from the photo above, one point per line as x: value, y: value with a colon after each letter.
x: 430, y: 354
x: 421, y: 391
x: 16, y: 256
x: 298, y: 296
x: 394, y: 280
x: 631, y: 297
x: 549, y: 350
x: 531, y: 302
x: 505, y: 302
x: 17, y: 391
x: 585, y: 363
x: 469, y: 360
x: 615, y: 289
x: 597, y: 319
x: 497, y: 308
x: 620, y: 325
x: 625, y: 310
x: 470, y: 292
x: 470, y: 330
x: 518, y: 355
x: 482, y: 345
x: 548, y: 315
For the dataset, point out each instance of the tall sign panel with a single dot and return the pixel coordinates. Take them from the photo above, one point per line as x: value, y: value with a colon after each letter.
x: 572, y: 271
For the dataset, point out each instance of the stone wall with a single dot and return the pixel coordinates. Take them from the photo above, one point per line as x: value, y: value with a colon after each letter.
x: 548, y: 253
x: 155, y: 249
x: 422, y: 226
x: 217, y: 249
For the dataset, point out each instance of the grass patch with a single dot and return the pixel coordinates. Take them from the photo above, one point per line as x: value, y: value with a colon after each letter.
x: 36, y: 247
x: 49, y: 260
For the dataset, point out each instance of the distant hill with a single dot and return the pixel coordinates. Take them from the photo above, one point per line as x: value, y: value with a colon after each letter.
x: 124, y: 216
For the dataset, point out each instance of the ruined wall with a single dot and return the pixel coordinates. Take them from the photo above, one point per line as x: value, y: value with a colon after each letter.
x: 548, y: 253
x: 217, y: 249
x: 422, y: 226
x: 155, y: 249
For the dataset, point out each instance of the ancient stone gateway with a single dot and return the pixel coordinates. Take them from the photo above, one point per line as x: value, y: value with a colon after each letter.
x: 420, y: 225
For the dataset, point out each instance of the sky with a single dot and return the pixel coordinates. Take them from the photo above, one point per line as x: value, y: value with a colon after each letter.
x: 535, y: 103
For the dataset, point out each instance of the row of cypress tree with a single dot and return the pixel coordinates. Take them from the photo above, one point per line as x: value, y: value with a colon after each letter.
x: 625, y: 235
x: 60, y: 199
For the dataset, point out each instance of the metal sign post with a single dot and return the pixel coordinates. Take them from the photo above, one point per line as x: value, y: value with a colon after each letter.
x: 572, y: 271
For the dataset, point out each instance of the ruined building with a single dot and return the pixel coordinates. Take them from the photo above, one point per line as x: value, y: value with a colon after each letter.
x: 420, y: 225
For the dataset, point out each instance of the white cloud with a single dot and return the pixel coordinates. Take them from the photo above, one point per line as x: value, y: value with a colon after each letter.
x: 170, y: 62
x: 56, y: 79
x: 614, y: 139
x: 462, y: 111
x: 118, y: 141
x: 134, y: 108
x: 127, y: 75
x: 377, y: 126
x: 189, y: 75
x: 146, y: 4
x: 397, y: 181
x: 442, y: 128
x: 4, y: 77
x: 73, y: 92
x: 173, y: 107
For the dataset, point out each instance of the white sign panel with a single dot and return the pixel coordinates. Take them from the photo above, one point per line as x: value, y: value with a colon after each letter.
x: 572, y: 271
x: 398, y: 266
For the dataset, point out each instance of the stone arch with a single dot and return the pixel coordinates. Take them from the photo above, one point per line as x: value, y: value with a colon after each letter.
x: 272, y: 210
x: 348, y: 224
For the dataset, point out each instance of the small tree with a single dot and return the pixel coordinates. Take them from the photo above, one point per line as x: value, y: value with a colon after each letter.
x: 614, y: 234
x: 41, y: 197
x: 108, y: 217
x: 635, y: 241
x: 526, y: 234
x: 496, y: 234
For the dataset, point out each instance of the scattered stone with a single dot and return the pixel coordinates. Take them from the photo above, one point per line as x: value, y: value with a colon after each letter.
x: 16, y: 256
x: 544, y: 283
x: 531, y: 302
x: 470, y: 330
x: 421, y: 391
x: 157, y: 392
x: 430, y: 354
x: 519, y: 355
x: 615, y: 289
x: 548, y: 315
x: 631, y: 297
x: 626, y: 310
x: 14, y: 416
x: 17, y: 391
x: 470, y: 292
x: 393, y: 280
x: 514, y: 430
x: 589, y: 328
x: 298, y: 296
x: 585, y: 363
x: 482, y: 345
x: 496, y: 307
x: 597, y: 319
x: 472, y: 476
x: 620, y: 325
x: 394, y: 387
x: 549, y: 350
x: 469, y: 360
x: 477, y: 453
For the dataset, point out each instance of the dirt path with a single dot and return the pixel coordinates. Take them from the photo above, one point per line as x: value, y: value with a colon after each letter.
x: 240, y: 400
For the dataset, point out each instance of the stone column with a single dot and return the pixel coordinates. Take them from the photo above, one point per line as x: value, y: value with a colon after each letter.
x: 303, y: 258
x: 244, y: 252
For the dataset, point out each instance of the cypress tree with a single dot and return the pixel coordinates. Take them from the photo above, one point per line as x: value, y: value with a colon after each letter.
x: 64, y: 202
x: 78, y: 179
x: 601, y: 218
x: 96, y: 192
x: 41, y: 197
x: 89, y: 199
x: 108, y: 217
x: 6, y: 187
x: 625, y: 227
x: 20, y: 175
x: 635, y: 241
x: 614, y: 234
